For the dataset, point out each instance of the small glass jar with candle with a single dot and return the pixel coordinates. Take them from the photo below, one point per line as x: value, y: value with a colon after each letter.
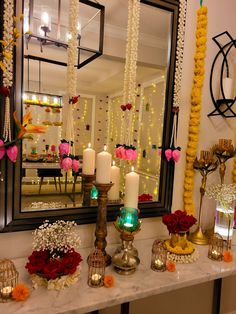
x: 8, y: 279
x: 159, y: 256
x: 128, y: 219
x: 216, y: 245
x: 96, y: 272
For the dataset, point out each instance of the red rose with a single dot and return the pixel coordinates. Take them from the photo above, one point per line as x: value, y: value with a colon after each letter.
x: 4, y: 91
x: 37, y: 261
x: 52, y: 269
x: 70, y: 262
x: 187, y: 222
x: 180, y: 213
x: 171, y: 221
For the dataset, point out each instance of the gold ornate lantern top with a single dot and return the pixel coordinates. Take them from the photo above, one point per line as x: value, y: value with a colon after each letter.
x: 8, y: 278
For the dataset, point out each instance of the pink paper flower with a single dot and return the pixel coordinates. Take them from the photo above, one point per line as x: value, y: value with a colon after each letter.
x: 168, y: 154
x: 64, y: 149
x: 66, y: 163
x: 118, y: 152
x: 129, y: 154
x: 12, y: 152
x: 176, y: 155
x: 75, y: 165
x: 123, y: 153
x: 135, y: 154
x: 2, y: 150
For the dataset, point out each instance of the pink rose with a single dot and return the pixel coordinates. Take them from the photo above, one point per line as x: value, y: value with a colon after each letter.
x: 12, y: 152
x: 66, y: 163
x: 2, y: 150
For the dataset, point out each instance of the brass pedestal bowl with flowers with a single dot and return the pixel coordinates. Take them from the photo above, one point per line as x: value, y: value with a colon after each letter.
x: 179, y: 248
x: 54, y: 263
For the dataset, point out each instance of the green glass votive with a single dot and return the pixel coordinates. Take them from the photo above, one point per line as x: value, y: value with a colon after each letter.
x: 128, y: 219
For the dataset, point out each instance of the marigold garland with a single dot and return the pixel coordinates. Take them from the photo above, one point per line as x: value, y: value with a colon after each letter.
x: 196, y: 102
x: 20, y: 292
x: 109, y: 281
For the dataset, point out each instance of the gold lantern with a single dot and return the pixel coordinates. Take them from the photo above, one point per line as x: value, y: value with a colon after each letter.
x: 96, y: 272
x: 159, y: 256
x: 8, y: 279
x: 216, y: 246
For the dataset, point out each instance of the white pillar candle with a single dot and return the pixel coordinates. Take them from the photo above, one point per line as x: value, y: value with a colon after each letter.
x: 103, y: 167
x: 131, y: 189
x: 88, y: 160
x: 114, y: 192
x: 227, y: 87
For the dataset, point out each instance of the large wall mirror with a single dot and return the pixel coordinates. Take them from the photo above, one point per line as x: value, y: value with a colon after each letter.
x: 37, y: 187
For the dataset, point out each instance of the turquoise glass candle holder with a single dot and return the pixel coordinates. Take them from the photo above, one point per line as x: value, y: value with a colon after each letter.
x: 128, y: 219
x: 94, y: 193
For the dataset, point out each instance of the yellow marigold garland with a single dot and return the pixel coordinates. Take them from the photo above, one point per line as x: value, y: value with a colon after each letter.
x: 196, y: 102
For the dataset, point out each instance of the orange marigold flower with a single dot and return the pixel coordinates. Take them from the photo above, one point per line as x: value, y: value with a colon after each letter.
x: 20, y: 292
x: 228, y: 256
x: 170, y: 266
x: 109, y: 281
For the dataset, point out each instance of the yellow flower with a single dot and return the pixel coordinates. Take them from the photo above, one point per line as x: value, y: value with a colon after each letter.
x: 201, y: 32
x: 201, y: 41
x: 7, y: 55
x: 202, y: 10
x: 191, y: 152
x: 2, y: 67
x: 194, y: 122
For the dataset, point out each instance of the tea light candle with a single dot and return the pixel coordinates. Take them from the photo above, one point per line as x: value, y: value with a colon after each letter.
x: 96, y: 279
x: 227, y: 87
x: 88, y: 160
x: 6, y: 292
x: 159, y: 264
x: 215, y: 254
x: 103, y: 166
x: 131, y: 189
x: 114, y: 193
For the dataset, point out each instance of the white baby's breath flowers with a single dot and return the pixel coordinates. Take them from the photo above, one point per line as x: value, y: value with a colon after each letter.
x: 58, y: 237
x: 224, y: 194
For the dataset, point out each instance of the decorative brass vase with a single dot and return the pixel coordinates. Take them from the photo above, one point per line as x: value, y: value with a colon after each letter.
x: 179, y: 239
x: 206, y: 164
x: 87, y: 183
x: 101, y: 225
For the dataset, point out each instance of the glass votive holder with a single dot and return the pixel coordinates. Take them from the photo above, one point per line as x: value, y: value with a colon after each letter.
x: 216, y: 245
x: 128, y: 219
x: 96, y: 271
x: 159, y: 256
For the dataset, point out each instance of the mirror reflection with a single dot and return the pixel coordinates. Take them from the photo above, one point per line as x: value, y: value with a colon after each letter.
x: 97, y: 116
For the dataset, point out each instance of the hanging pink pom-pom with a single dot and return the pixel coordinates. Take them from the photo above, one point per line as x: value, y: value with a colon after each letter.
x: 2, y: 150
x: 168, y: 154
x: 118, y: 152
x: 75, y: 165
x: 12, y: 152
x: 129, y: 154
x: 176, y: 155
x: 123, y: 153
x: 64, y: 149
x: 66, y: 163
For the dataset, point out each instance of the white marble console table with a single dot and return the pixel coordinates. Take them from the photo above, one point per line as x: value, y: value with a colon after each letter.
x: 143, y: 283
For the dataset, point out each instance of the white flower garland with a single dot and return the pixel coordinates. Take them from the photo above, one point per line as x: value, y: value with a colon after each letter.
x: 8, y: 63
x: 183, y: 259
x: 72, y: 52
x: 129, y: 89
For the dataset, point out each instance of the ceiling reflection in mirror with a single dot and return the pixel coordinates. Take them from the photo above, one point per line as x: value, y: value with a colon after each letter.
x: 97, y: 116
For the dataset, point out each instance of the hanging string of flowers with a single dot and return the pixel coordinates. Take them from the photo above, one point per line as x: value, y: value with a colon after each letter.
x: 129, y: 87
x: 72, y: 53
x: 195, y: 114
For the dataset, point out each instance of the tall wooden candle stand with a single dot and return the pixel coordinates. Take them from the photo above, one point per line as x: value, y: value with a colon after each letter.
x: 101, y: 225
x: 87, y: 187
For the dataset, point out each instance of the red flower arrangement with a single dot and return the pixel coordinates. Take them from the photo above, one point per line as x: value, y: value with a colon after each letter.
x: 178, y: 221
x: 145, y: 197
x: 41, y: 264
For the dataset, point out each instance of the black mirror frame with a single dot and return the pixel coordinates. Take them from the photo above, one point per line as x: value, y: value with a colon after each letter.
x: 11, y: 217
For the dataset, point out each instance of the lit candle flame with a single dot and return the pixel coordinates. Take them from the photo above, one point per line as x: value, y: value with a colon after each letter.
x: 132, y: 168
x: 113, y: 163
x: 105, y: 148
x: 89, y: 145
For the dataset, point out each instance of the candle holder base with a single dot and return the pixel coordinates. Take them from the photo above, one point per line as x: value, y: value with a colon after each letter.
x: 198, y: 237
x: 101, y: 225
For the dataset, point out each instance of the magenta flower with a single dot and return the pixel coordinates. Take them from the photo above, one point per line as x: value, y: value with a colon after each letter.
x: 12, y: 152
x: 75, y: 165
x: 118, y: 152
x: 64, y: 149
x: 176, y: 155
x: 168, y: 154
x: 66, y: 163
x: 2, y: 150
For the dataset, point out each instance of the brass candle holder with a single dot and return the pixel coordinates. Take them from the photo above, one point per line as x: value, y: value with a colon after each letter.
x: 206, y: 164
x: 87, y: 182
x: 101, y: 225
x: 224, y: 150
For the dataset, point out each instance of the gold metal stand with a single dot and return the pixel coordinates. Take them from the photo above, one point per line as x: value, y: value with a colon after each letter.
x: 101, y: 225
x: 87, y: 184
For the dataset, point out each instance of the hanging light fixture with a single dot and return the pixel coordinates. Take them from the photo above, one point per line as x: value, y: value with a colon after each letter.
x: 46, y: 27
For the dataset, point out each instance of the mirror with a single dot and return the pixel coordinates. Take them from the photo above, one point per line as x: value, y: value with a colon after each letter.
x: 40, y: 188
x: 97, y: 115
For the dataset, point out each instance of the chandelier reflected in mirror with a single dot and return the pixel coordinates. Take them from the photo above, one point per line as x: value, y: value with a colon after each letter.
x: 46, y: 24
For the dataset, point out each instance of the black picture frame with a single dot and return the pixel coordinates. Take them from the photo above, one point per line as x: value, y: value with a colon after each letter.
x: 11, y: 217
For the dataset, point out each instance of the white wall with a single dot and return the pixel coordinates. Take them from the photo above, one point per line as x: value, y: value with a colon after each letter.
x: 221, y: 17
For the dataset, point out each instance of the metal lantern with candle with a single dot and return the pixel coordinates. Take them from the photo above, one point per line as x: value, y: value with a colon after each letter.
x: 159, y: 256
x: 96, y: 272
x: 125, y: 259
x: 8, y: 279
x: 216, y: 245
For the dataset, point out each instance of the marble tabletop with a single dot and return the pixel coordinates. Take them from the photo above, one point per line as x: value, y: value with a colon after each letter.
x: 143, y: 283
